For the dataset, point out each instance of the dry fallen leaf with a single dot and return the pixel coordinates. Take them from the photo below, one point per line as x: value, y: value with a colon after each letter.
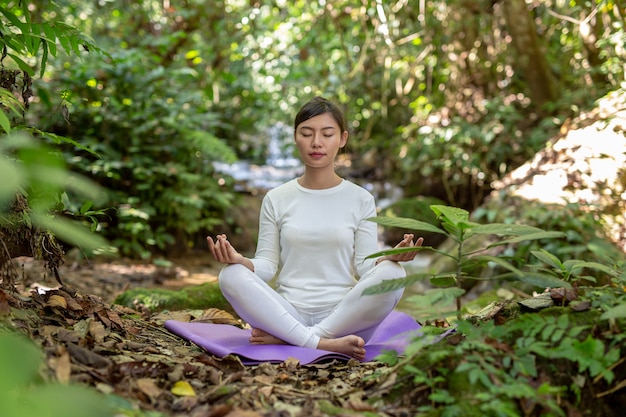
x: 217, y: 316
x: 56, y: 301
x: 149, y: 387
x: 63, y: 369
x: 238, y: 412
x: 5, y: 309
x: 97, y: 331
x: 72, y: 304
x: 183, y: 389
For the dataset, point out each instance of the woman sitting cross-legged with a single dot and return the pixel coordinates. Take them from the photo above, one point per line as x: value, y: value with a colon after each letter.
x: 313, y: 232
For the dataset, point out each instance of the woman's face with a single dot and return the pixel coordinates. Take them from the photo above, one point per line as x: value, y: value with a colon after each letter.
x: 319, y: 139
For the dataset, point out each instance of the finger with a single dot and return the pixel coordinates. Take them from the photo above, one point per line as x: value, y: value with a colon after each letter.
x: 222, y: 248
x: 213, y: 248
x: 227, y: 249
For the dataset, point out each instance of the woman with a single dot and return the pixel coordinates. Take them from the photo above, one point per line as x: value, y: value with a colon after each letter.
x: 313, y: 231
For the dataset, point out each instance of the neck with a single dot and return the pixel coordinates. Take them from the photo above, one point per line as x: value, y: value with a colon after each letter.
x: 319, y: 181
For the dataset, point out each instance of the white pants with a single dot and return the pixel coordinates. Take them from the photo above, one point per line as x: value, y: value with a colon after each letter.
x: 263, y: 308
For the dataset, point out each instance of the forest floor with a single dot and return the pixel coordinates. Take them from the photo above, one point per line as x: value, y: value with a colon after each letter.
x: 123, y: 352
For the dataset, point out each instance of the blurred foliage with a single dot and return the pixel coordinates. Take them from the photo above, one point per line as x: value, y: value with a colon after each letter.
x: 580, y: 223
x: 154, y: 142
x: 25, y: 393
x: 36, y: 180
x: 39, y: 174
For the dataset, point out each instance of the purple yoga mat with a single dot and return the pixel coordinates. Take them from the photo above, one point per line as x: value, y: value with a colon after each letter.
x: 394, y: 333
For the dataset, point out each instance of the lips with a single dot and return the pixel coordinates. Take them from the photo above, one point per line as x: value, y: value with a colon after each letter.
x: 316, y: 155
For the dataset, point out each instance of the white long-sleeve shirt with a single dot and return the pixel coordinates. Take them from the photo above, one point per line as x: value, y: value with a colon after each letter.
x: 317, y: 241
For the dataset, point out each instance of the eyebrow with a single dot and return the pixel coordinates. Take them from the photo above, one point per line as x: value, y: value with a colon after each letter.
x: 324, y: 128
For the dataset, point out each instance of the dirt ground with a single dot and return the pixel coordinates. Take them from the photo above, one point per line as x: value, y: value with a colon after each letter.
x: 119, y: 351
x: 108, y: 279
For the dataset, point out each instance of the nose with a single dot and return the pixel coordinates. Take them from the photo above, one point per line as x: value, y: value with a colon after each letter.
x: 316, y: 140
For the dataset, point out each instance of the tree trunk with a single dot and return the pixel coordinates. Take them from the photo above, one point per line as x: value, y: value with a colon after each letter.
x: 531, y: 61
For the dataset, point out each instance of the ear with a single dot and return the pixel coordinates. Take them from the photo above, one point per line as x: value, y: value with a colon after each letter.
x: 344, y: 139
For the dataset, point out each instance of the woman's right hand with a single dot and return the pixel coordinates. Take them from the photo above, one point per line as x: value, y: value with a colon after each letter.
x: 223, y: 251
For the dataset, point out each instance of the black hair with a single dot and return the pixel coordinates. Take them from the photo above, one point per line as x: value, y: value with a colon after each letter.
x: 320, y: 105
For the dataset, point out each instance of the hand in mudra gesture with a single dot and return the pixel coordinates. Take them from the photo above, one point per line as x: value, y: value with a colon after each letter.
x: 407, y: 242
x: 223, y: 251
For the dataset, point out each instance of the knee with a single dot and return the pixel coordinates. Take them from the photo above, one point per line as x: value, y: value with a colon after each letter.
x: 390, y: 270
x: 231, y: 277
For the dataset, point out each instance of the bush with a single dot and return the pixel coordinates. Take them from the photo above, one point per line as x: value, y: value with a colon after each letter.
x: 153, y: 133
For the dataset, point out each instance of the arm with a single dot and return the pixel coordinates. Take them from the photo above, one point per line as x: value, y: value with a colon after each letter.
x: 265, y: 261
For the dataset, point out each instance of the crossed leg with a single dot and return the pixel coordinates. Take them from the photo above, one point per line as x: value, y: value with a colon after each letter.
x: 344, y: 330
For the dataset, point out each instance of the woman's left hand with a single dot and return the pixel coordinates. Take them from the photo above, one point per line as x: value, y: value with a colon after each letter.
x: 407, y: 242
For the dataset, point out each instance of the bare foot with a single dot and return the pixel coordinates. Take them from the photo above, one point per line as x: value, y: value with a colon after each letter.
x: 261, y: 337
x: 350, y: 345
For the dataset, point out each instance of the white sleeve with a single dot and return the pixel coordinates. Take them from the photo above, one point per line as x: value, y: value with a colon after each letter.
x: 267, y: 255
x: 366, y: 238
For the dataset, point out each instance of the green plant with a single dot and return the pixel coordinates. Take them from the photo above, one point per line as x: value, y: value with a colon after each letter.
x: 528, y: 363
x: 471, y: 243
x: 37, y: 172
x: 571, y: 270
x: 24, y: 39
x: 534, y: 364
x: 25, y: 391
x: 32, y: 208
x: 580, y: 222
x: 156, y: 142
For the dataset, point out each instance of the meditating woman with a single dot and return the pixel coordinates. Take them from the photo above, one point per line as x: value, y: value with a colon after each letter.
x: 313, y: 233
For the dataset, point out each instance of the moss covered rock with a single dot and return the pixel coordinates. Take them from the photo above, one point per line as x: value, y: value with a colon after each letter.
x: 201, y: 296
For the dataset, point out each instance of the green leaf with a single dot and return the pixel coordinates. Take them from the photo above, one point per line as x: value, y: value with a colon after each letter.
x: 542, y: 280
x: 411, y: 249
x: 23, y: 65
x: 85, y: 207
x: 50, y: 38
x: 4, y: 122
x: 443, y: 281
x: 444, y: 294
x: 548, y: 258
x: 65, y: 43
x: 394, y: 284
x: 11, y: 103
x: 71, y: 232
x: 617, y: 312
x: 506, y: 229
x: 526, y: 237
x: 498, y: 261
x: 453, y: 214
x: 407, y: 224
x: 25, y: 12
x: 19, y: 360
x: 44, y: 59
x: 56, y: 400
x: 591, y: 265
x: 85, y: 187
x: 74, y: 42
x: 61, y: 139
x: 12, y: 177
x: 526, y: 365
x: 15, y: 21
